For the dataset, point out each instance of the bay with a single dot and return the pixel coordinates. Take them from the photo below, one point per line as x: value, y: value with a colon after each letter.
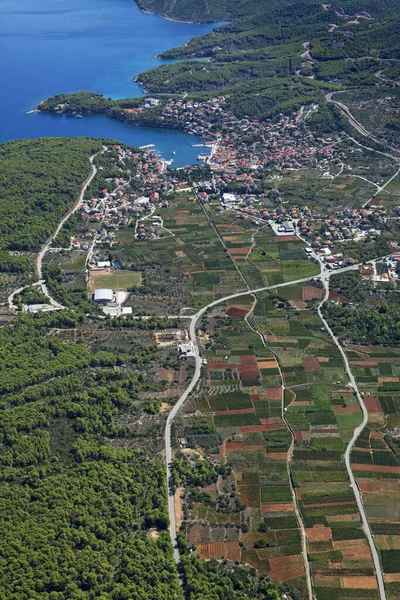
x: 56, y: 46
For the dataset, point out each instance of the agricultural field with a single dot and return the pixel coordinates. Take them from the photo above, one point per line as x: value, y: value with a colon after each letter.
x: 349, y: 185
x: 376, y: 456
x: 278, y: 408
x: 188, y: 268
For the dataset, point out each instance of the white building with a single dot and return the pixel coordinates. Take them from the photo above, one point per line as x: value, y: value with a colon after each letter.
x: 103, y: 296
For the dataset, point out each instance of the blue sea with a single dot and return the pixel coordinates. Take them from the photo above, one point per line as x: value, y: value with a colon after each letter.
x: 54, y: 46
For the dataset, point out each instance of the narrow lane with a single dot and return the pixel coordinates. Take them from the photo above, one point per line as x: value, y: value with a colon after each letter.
x: 41, y: 282
x: 196, y: 376
x: 347, y: 455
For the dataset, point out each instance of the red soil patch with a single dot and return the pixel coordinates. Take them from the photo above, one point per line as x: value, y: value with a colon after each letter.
x: 373, y: 405
x: 388, y: 379
x: 298, y: 436
x: 274, y: 393
x: 392, y: 577
x: 360, y: 583
x: 365, y: 485
x: 350, y: 408
x: 247, y: 359
x: 357, y: 552
x: 255, y: 397
x: 217, y: 365
x: 238, y: 251
x: 236, y: 411
x: 277, y: 456
x: 282, y: 507
x: 240, y: 446
x: 248, y: 372
x: 308, y: 292
x: 264, y: 427
x: 236, y: 312
x: 286, y: 567
x: 286, y: 238
x: 364, y: 364
x: 376, y: 468
x: 319, y: 534
x: 229, y: 550
x: 311, y: 364
x: 290, y: 374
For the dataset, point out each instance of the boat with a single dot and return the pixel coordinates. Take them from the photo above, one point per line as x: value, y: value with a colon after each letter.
x: 202, y: 156
x: 173, y: 152
x: 78, y: 117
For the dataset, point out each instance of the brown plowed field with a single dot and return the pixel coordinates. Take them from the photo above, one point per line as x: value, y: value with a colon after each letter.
x: 392, y: 577
x: 364, y: 364
x: 274, y: 393
x: 308, y: 292
x: 286, y: 238
x: 267, y: 364
x: 277, y: 456
x: 229, y: 550
x: 360, y: 583
x: 350, y: 408
x: 247, y: 359
x: 248, y: 372
x: 286, y: 567
x: 240, y: 446
x: 311, y: 364
x: 281, y: 507
x: 360, y: 552
x: 346, y: 544
x: 376, y: 468
x: 319, y: 534
x: 238, y: 251
x: 365, y: 486
x: 236, y: 312
x: 373, y: 405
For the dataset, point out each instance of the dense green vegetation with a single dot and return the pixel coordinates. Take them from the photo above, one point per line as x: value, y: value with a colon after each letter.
x: 212, y: 581
x: 266, y: 41
x: 259, y: 60
x: 75, y: 509
x: 363, y: 324
x: 40, y: 180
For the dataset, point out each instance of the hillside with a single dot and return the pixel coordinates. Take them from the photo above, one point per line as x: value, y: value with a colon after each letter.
x: 201, y: 11
x: 267, y: 50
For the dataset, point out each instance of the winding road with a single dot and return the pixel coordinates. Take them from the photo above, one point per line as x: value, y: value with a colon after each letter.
x: 324, y: 277
x: 41, y: 282
x: 353, y: 483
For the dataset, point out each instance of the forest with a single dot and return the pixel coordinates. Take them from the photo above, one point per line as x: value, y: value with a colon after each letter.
x: 364, y: 324
x: 40, y: 180
x: 76, y: 510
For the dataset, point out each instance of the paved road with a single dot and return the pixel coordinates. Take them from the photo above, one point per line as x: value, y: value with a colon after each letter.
x: 324, y: 276
x: 41, y: 282
x: 356, y: 124
x: 357, y: 432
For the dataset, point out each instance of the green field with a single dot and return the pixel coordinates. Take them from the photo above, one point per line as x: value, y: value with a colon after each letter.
x: 117, y: 280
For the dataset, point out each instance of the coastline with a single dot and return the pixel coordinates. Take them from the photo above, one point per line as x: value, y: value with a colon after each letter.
x: 174, y: 20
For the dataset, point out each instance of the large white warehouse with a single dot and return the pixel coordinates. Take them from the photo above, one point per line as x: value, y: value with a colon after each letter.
x: 103, y: 296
